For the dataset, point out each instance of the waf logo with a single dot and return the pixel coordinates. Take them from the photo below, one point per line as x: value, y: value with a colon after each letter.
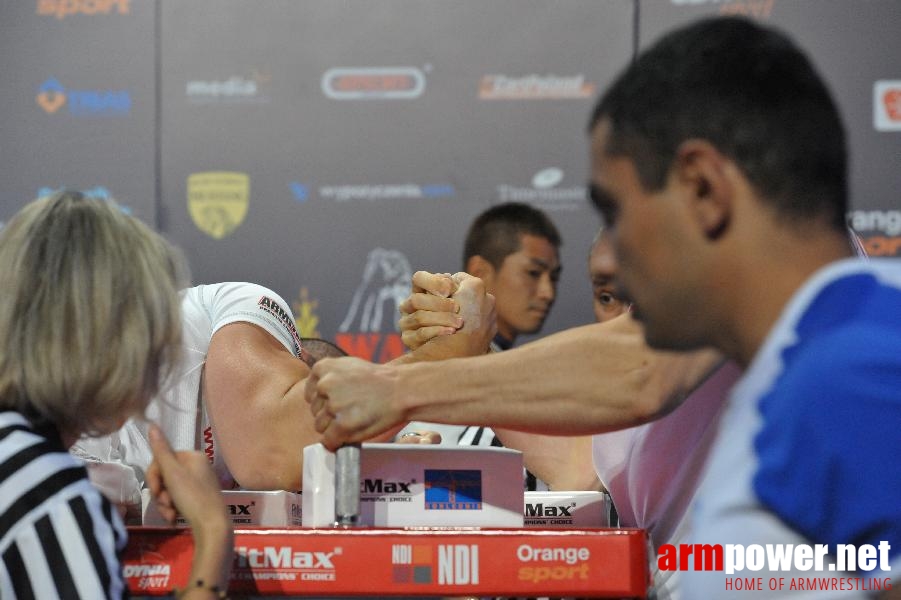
x: 373, y: 83
x: 64, y: 8
x: 52, y: 96
x: 452, y: 489
x: 369, y: 329
x: 887, y: 105
x: 218, y: 200
x: 535, y: 87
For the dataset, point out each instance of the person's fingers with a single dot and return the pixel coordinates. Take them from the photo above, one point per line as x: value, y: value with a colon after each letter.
x: 420, y: 437
x: 430, y: 437
x: 311, y: 386
x: 439, y: 284
x: 428, y: 302
x: 416, y: 337
x: 154, y: 478
x: 322, y: 420
x: 162, y: 451
x: 424, y: 318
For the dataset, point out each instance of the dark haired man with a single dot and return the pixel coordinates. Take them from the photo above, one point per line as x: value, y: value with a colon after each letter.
x: 719, y: 165
x: 514, y: 249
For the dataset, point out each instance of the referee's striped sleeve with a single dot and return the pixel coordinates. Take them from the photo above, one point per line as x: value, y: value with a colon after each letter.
x: 59, y: 536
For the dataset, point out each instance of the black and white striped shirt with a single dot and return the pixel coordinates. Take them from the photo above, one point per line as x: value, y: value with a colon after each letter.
x: 59, y: 537
x: 485, y: 436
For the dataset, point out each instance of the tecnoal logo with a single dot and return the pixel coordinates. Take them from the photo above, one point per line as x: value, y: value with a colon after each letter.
x: 286, y: 563
x: 535, y: 87
x: 148, y: 576
x: 880, y: 230
x: 64, y: 8
x: 373, y: 83
x: 553, y: 564
x: 887, y: 105
x: 545, y: 191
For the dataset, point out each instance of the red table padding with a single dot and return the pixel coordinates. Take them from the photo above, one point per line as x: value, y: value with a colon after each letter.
x: 602, y: 563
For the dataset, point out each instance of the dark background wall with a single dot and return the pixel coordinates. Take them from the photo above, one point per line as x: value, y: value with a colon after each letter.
x: 328, y: 149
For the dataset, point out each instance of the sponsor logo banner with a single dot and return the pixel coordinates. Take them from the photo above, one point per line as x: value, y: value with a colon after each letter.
x: 218, y: 201
x: 52, y: 97
x: 65, y: 8
x: 887, y: 105
x: 373, y: 83
x: 535, y: 87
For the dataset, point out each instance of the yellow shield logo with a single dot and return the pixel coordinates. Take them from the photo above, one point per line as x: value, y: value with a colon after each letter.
x: 217, y: 201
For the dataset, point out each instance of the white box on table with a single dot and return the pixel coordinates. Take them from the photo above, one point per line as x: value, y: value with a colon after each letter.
x: 566, y: 509
x: 266, y: 508
x: 409, y: 485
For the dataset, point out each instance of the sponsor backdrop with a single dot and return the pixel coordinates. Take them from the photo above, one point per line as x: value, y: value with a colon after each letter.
x: 327, y: 150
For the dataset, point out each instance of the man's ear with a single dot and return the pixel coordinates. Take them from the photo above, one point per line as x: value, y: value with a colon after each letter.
x: 479, y: 267
x: 702, y: 171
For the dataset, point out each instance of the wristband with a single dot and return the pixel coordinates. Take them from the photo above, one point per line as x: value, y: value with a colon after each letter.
x: 199, y: 584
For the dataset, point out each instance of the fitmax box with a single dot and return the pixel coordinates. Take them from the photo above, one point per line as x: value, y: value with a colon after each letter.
x: 267, y: 508
x: 566, y: 509
x: 414, y: 485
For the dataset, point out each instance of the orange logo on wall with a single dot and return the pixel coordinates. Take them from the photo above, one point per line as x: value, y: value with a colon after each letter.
x: 64, y: 8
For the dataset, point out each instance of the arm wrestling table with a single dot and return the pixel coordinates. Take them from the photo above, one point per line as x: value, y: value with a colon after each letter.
x: 414, y: 561
x: 599, y: 563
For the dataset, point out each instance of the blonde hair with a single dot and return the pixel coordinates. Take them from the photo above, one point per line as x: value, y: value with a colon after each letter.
x: 90, y: 318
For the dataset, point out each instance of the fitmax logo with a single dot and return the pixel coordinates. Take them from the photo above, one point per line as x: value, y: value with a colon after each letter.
x: 282, y: 557
x: 540, y: 510
x: 239, y: 509
x: 380, y: 486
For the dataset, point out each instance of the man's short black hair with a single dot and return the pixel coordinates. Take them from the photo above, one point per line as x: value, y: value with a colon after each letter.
x: 317, y: 349
x: 494, y: 234
x: 752, y: 93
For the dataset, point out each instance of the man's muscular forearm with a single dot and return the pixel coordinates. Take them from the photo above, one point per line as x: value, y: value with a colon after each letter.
x: 584, y: 380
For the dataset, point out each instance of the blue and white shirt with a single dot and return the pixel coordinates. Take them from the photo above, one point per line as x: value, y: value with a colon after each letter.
x: 809, y: 448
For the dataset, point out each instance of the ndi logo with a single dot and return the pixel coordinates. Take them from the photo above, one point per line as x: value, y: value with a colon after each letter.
x: 52, y: 96
x: 452, y: 489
